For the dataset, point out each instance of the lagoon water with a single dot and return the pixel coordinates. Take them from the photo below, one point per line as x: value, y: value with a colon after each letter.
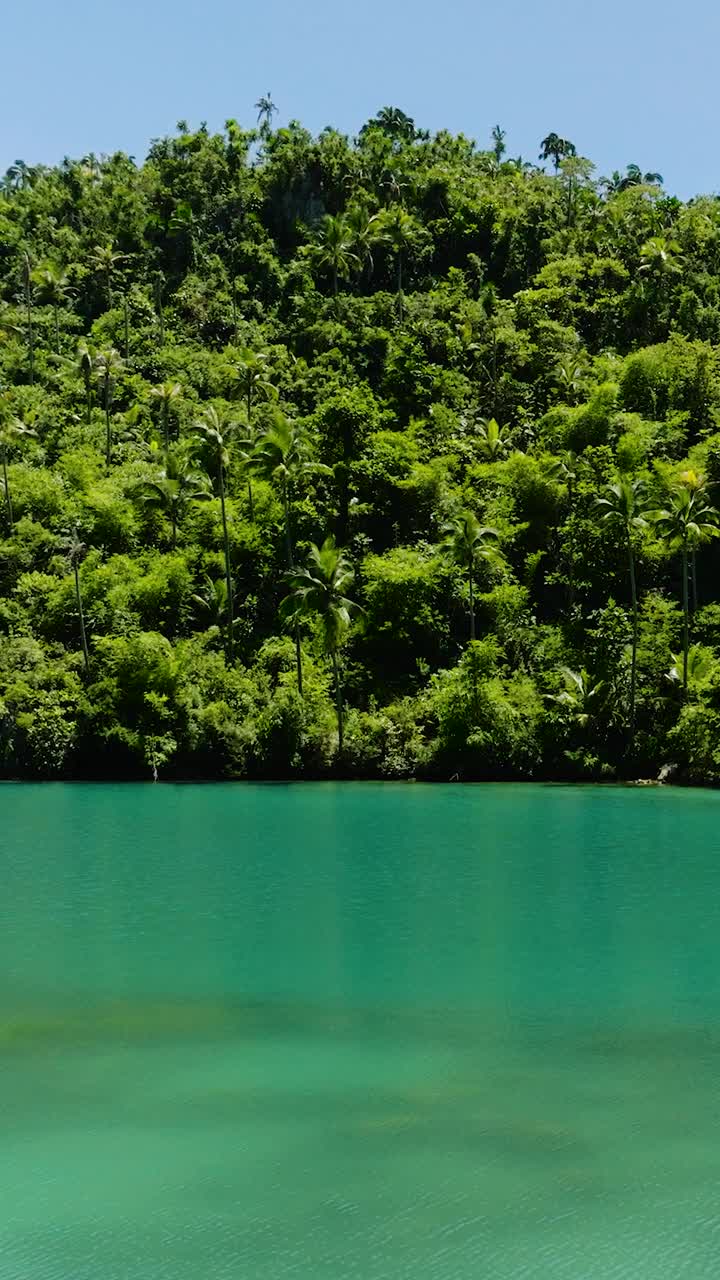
x: 359, y: 1031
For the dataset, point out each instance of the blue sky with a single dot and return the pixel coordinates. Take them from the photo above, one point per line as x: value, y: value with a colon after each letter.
x: 626, y: 80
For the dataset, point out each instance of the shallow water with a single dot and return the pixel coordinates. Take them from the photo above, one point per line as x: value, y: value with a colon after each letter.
x: 359, y: 1031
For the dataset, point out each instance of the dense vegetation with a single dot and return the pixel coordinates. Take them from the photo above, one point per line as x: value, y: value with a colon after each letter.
x: 385, y: 457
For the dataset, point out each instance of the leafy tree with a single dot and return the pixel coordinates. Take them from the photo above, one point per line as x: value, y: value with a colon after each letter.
x: 178, y: 485
x: 319, y: 589
x: 333, y: 250
x: 467, y: 542
x: 167, y: 395
x: 684, y: 524
x: 623, y: 504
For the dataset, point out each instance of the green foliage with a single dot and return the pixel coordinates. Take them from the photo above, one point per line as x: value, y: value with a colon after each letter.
x: 386, y: 456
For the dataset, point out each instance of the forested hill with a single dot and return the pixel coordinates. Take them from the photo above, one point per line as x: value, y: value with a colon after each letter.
x: 388, y: 457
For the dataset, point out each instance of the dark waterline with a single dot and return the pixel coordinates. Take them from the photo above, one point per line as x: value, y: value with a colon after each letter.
x: 362, y: 1030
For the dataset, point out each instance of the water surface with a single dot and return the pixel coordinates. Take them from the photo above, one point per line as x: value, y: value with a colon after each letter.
x: 442, y: 1033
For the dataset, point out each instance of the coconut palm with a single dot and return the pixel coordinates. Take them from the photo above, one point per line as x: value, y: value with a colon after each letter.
x: 178, y: 485
x: 211, y: 603
x: 54, y: 286
x: 251, y: 371
x: 364, y: 233
x: 12, y: 433
x: 266, y: 109
x: 622, y: 504
x: 105, y: 260
x: 85, y: 366
x: 333, y: 250
x: 166, y: 394
x: 398, y: 229
x: 499, y: 146
x: 556, y: 147
x: 215, y: 432
x: 581, y: 697
x: 27, y: 293
x: 466, y: 543
x: 318, y: 590
x: 283, y: 456
x: 684, y: 524
x: 75, y: 551
x: 108, y: 364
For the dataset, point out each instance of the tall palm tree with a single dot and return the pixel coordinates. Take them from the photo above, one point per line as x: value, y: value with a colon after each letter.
x: 54, y: 285
x: 85, y: 366
x: 251, y: 370
x: 105, y: 260
x: 364, y: 232
x: 466, y: 543
x: 283, y: 455
x: 12, y: 433
x: 318, y: 589
x: 556, y: 147
x: 399, y: 231
x: 266, y: 109
x: 333, y: 250
x: 178, y: 485
x: 622, y: 504
x: 27, y: 292
x: 166, y: 394
x: 108, y: 364
x: 684, y: 524
x: 499, y: 145
x: 215, y: 432
x: 75, y: 551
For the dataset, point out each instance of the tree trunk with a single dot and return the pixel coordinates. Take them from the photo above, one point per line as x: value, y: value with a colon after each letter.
x: 8, y: 501
x: 166, y: 424
x: 126, y: 309
x: 159, y: 310
x: 173, y: 518
x: 234, y: 314
x: 290, y: 560
x: 633, y: 664
x: 30, y: 333
x: 693, y: 569
x: 338, y: 700
x: 81, y: 615
x: 251, y: 504
x: 401, y: 308
x: 108, y: 432
x: 57, y: 329
x: 686, y: 624
x: 472, y: 601
x: 88, y: 398
x: 228, y: 576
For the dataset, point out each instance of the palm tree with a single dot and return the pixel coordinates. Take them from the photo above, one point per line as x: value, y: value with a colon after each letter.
x: 333, y: 250
x: 107, y: 364
x: 499, y: 146
x: 283, y: 456
x: 85, y: 366
x: 266, y: 109
x: 318, y: 589
x: 166, y: 394
x: 251, y: 372
x: 178, y: 484
x: 571, y: 373
x: 211, y: 603
x: 557, y: 147
x: 75, y: 551
x: 685, y: 523
x: 215, y: 431
x: 27, y: 291
x: 105, y: 259
x: 492, y: 439
x: 581, y: 697
x: 466, y: 543
x: 54, y: 287
x: 364, y: 233
x: 398, y: 229
x: 623, y: 505
x: 12, y: 433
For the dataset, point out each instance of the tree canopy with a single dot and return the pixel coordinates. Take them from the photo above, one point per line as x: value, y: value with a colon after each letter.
x: 387, y: 456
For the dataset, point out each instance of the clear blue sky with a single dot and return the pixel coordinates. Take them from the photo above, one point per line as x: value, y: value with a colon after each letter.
x: 626, y: 80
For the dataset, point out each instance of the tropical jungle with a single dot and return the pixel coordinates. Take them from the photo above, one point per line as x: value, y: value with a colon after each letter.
x: 392, y: 456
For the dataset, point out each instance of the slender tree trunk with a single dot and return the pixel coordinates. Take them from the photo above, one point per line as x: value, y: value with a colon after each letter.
x: 290, y: 560
x: 234, y: 314
x: 8, y: 501
x: 126, y: 310
x: 335, y: 280
x: 228, y: 575
x: 472, y: 601
x: 401, y: 307
x: 109, y: 293
x: 108, y: 431
x: 88, y: 398
x: 159, y: 310
x: 57, y: 328
x: 251, y: 504
x: 633, y: 664
x: 338, y: 700
x: 81, y: 615
x: 166, y: 425
x: 686, y: 624
x: 693, y: 569
x: 173, y: 518
x: 30, y: 333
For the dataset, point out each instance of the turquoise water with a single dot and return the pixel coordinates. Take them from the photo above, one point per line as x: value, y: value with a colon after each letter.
x: 447, y: 1033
